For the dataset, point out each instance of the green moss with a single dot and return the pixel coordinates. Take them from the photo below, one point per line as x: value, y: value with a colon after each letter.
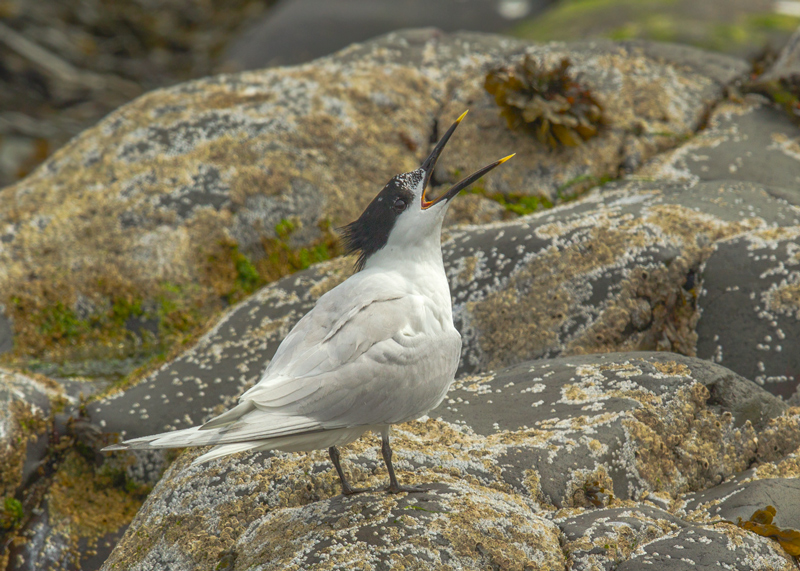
x: 575, y: 187
x: 125, y: 332
x: 177, y: 310
x: 519, y: 204
x: 60, y: 322
x: 571, y: 19
x: 284, y: 228
x: 12, y: 513
x: 772, y: 21
x: 781, y: 92
x: 660, y: 20
x: 123, y: 308
x: 281, y: 259
x: 247, y: 276
x: 318, y: 253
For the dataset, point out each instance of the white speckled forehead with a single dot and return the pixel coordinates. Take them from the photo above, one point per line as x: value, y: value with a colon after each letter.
x: 411, y: 179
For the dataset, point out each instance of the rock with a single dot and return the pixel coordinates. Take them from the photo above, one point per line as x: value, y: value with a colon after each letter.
x: 613, y: 271
x: 749, y: 303
x: 639, y: 424
x: 178, y: 202
x: 446, y: 526
x: 25, y: 416
x: 748, y: 141
x: 301, y: 30
x: 651, y: 413
x: 750, y: 307
x: 55, y: 511
x: 744, y: 495
x: 703, y: 548
x: 609, y: 272
x: 786, y: 69
x: 81, y: 517
x: 26, y: 421
x: 600, y: 539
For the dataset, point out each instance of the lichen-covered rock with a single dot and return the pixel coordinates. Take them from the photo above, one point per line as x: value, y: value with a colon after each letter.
x: 638, y: 423
x: 727, y: 548
x: 617, y: 270
x: 81, y: 516
x: 640, y: 426
x: 141, y: 227
x: 25, y: 416
x: 26, y: 420
x: 646, y: 110
x: 614, y: 271
x: 745, y: 494
x: 601, y: 539
x: 748, y: 140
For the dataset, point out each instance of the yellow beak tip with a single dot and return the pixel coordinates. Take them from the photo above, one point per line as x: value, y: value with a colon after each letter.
x: 464, y: 114
x: 504, y: 159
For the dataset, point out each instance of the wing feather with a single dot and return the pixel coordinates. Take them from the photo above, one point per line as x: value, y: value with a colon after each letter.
x: 379, y: 359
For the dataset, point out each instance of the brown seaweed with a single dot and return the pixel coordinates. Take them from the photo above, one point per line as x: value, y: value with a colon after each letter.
x: 547, y: 103
x: 761, y: 523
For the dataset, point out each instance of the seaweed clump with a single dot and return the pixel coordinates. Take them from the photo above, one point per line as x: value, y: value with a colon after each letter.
x: 761, y: 523
x: 548, y: 103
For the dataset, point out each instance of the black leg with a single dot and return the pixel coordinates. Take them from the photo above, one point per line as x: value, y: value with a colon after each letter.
x: 333, y: 452
x: 394, y: 487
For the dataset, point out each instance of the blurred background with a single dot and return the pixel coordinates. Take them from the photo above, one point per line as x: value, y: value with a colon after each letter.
x: 64, y: 64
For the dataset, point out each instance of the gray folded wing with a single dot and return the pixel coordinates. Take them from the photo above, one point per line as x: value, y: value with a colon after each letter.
x: 359, y: 358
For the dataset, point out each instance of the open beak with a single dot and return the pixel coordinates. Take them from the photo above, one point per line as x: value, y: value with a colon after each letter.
x: 430, y: 163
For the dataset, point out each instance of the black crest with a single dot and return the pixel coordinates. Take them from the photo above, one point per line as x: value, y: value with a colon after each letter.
x: 371, y: 231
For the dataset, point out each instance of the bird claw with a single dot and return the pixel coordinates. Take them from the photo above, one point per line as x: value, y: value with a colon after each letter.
x: 348, y: 491
x: 409, y: 489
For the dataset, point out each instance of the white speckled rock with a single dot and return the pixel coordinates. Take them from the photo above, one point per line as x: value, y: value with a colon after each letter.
x: 618, y: 270
x: 750, y: 140
x: 649, y: 427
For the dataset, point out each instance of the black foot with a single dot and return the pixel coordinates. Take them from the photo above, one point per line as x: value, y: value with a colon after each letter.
x: 397, y: 488
x: 348, y: 491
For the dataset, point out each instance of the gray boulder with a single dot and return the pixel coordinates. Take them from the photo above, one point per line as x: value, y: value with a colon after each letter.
x: 631, y: 432
x: 25, y: 419
x: 618, y: 270
x: 703, y: 548
x: 743, y: 495
x: 750, y: 307
x: 748, y: 140
x: 142, y: 226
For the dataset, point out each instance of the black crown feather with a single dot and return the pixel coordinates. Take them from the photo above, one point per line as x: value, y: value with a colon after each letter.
x: 370, y: 232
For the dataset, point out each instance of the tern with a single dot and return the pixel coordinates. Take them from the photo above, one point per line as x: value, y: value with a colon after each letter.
x: 377, y: 350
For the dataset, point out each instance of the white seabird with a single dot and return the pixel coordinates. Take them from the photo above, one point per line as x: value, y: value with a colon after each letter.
x: 377, y: 350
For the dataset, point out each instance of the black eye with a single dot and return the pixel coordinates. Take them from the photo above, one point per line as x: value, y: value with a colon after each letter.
x: 400, y: 204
